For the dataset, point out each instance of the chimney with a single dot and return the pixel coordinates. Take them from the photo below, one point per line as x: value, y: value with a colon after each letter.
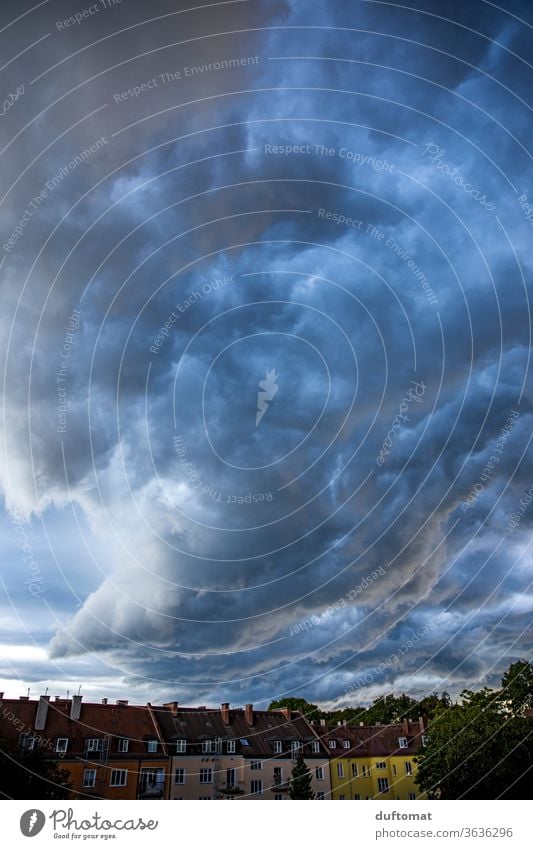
x: 405, y: 724
x: 104, y: 701
x: 1, y: 696
x: 122, y: 702
x: 422, y: 725
x: 224, y: 712
x: 361, y: 724
x: 42, y: 713
x: 323, y: 723
x: 24, y: 698
x: 286, y: 711
x: 172, y: 706
x: 249, y: 714
x: 75, y: 708
x: 339, y: 723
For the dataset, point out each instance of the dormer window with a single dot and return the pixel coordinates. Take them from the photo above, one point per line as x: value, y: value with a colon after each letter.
x: 316, y: 747
x: 123, y: 744
x: 425, y: 739
x: 295, y: 747
x: 278, y: 747
x: 94, y: 744
x: 346, y: 744
x: 332, y: 744
x: 151, y: 746
x: 230, y: 747
x: 181, y: 746
x: 402, y: 742
x: 207, y: 746
x: 28, y: 742
x: 61, y: 745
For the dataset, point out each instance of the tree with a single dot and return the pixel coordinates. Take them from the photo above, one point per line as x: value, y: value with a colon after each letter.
x: 309, y: 711
x: 517, y: 687
x: 300, y: 780
x: 31, y: 775
x: 477, y: 751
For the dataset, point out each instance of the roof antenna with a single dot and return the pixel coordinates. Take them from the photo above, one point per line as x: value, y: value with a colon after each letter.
x: 68, y: 695
x: 46, y: 691
x: 28, y: 692
x: 79, y: 688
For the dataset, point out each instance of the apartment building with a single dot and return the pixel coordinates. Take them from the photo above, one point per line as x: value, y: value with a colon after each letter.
x: 240, y: 753
x: 373, y: 761
x: 112, y: 751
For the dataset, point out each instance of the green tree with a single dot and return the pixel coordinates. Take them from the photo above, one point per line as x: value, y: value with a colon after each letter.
x: 31, y: 775
x: 309, y: 710
x: 476, y: 751
x: 300, y: 780
x: 517, y: 687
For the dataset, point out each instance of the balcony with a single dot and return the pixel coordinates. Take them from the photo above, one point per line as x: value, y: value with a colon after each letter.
x: 281, y: 787
x: 230, y: 789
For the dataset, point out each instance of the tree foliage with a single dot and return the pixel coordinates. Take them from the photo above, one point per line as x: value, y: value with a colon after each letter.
x: 481, y: 748
x: 300, y: 780
x: 31, y: 775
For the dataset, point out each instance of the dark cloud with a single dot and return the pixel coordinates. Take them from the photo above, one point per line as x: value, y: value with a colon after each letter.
x: 201, y: 256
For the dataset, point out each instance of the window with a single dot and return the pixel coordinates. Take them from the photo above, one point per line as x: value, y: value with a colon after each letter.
x: 278, y: 797
x: 278, y: 748
x: 316, y: 746
x: 205, y: 798
x: 408, y: 768
x: 357, y: 797
x: 278, y: 775
x: 383, y: 785
x: 151, y: 746
x: 402, y: 742
x: 366, y: 771
x: 61, y: 744
x: 181, y: 746
x: 94, y: 744
x: 256, y: 765
x: 381, y: 765
x: 332, y: 744
x: 394, y: 769
x: 152, y: 784
x: 207, y: 746
x: 425, y: 740
x: 28, y: 742
x: 257, y: 788
x: 89, y: 777
x: 119, y: 777
x: 231, y: 777
x: 206, y: 776
x: 345, y: 744
x: 354, y: 770
x: 341, y: 797
x: 319, y: 772
x: 340, y: 770
x: 123, y: 744
x: 244, y: 741
x: 412, y: 796
x: 320, y: 795
x: 230, y: 747
x: 295, y: 747
x: 179, y: 776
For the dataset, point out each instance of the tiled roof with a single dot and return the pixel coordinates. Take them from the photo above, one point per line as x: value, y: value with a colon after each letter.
x: 372, y: 740
x: 251, y: 741
x: 134, y: 722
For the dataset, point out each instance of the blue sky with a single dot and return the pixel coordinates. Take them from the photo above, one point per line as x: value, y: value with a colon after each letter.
x: 338, y: 193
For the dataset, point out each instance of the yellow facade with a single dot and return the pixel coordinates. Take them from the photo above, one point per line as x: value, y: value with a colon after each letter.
x: 388, y: 777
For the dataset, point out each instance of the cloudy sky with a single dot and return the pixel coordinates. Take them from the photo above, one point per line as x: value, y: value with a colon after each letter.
x: 318, y: 212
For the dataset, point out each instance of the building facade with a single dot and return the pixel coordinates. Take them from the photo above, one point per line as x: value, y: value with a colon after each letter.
x: 374, y: 761
x: 240, y: 753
